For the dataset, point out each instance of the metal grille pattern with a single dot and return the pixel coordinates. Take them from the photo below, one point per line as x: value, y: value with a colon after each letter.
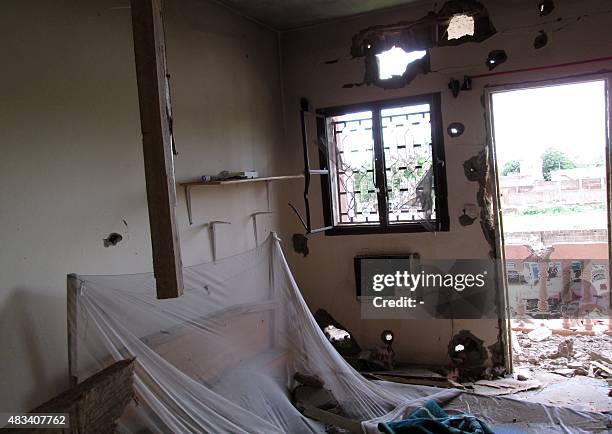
x: 353, y: 162
x: 407, y: 142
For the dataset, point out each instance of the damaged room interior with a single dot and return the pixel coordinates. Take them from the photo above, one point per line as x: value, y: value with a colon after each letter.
x: 291, y: 216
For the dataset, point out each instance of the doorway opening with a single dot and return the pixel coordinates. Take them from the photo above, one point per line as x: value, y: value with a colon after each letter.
x: 552, y: 158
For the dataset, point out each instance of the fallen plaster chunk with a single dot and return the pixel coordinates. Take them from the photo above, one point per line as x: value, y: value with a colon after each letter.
x: 540, y: 334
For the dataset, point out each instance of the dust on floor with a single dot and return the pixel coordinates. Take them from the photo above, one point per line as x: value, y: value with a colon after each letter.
x: 574, y: 371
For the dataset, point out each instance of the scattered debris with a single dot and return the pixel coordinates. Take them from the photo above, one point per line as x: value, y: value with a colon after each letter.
x: 317, y: 403
x: 600, y: 369
x: 317, y: 397
x: 596, y: 356
x: 579, y: 355
x: 377, y: 358
x: 565, y: 349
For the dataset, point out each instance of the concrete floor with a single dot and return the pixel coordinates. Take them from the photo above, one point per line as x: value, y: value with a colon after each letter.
x: 580, y: 392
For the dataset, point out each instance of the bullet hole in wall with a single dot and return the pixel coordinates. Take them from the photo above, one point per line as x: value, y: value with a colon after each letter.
x: 455, y: 129
x: 496, y: 58
x: 112, y: 240
x: 541, y: 40
x: 545, y: 7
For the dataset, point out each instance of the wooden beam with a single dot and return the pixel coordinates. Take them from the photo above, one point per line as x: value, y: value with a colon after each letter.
x: 156, y: 124
x: 94, y: 405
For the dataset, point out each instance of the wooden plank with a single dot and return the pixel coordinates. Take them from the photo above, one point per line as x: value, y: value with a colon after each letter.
x: 155, y: 119
x: 95, y: 404
x: 72, y: 289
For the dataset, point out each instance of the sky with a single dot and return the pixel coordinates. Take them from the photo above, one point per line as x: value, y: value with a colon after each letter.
x: 568, y: 117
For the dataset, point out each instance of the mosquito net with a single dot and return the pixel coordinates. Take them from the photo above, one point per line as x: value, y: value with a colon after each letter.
x: 221, y: 358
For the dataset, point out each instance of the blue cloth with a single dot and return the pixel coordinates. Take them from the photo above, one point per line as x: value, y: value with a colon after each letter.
x: 431, y: 419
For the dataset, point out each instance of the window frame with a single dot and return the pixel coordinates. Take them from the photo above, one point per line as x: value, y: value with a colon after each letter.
x: 442, y: 221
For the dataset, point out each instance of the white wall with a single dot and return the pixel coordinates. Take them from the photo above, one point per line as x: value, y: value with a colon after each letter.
x: 71, y: 168
x: 327, y: 276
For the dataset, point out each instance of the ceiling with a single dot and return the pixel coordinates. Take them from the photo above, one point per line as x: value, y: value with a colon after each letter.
x: 290, y: 14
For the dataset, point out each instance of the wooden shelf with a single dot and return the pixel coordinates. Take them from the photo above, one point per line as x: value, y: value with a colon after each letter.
x: 189, y: 185
x: 240, y: 181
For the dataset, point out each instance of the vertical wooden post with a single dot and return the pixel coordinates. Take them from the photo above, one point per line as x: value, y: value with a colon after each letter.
x: 72, y: 292
x: 155, y: 119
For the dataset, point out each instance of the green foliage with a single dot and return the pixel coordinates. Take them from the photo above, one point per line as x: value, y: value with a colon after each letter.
x: 512, y: 166
x: 562, y: 209
x: 554, y: 159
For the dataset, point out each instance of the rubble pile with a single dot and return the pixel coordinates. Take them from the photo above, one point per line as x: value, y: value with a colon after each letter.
x: 567, y: 356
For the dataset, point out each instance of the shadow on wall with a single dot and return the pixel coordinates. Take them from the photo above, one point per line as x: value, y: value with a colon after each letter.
x: 28, y: 320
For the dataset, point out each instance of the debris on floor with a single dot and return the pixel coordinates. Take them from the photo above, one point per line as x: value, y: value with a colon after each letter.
x: 504, y: 386
x: 574, y: 371
x: 311, y: 393
x: 580, y: 354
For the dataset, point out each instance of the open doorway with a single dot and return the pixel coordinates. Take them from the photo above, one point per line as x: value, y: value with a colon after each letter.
x: 551, y: 154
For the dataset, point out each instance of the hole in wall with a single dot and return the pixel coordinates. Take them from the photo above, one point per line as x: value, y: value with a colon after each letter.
x: 541, y: 40
x: 387, y: 337
x: 459, y: 26
x: 394, y: 61
x: 545, y: 7
x: 496, y: 58
x: 112, y: 240
x: 467, y: 350
x: 300, y: 244
x: 455, y: 129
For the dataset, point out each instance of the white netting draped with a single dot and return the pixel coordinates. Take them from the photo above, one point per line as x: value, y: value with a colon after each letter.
x: 221, y: 358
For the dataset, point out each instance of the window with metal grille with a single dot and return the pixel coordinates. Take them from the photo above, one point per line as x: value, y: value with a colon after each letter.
x: 386, y: 167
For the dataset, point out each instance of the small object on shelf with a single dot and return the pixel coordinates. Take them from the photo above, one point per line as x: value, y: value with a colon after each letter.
x: 226, y: 175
